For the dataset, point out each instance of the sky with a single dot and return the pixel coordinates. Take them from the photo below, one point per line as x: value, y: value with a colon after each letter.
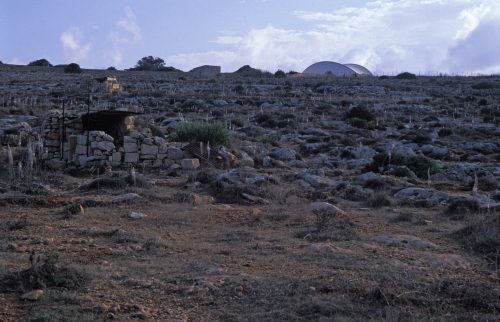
x: 387, y: 36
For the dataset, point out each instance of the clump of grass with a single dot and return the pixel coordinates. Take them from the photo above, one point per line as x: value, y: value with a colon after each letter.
x: 379, y: 200
x: 238, y: 122
x: 44, y: 272
x: 216, y: 133
x: 482, y: 236
x: 457, y: 209
x: 419, y: 164
x: 445, y: 132
x: 359, y: 123
x: 332, y: 225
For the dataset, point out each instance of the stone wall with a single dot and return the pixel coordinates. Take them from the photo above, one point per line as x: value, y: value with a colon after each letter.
x: 93, y: 148
x: 56, y: 133
x: 97, y: 148
x: 152, y: 151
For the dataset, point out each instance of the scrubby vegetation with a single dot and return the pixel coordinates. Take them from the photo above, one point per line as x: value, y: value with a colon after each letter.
x: 419, y: 164
x: 301, y: 217
x: 279, y: 74
x: 41, y: 63
x: 360, y: 112
x: 216, y: 133
x: 406, y: 75
x: 150, y: 63
x: 72, y: 68
x: 486, y: 85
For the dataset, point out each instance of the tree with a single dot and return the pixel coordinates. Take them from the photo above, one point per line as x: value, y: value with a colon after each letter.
x: 41, y: 63
x: 279, y: 74
x: 72, y: 68
x: 149, y: 63
x: 406, y: 75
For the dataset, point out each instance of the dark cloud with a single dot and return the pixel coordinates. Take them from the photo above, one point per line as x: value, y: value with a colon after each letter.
x: 479, y: 52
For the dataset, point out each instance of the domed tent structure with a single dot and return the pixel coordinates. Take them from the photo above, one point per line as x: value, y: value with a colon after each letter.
x: 360, y: 70
x: 330, y: 67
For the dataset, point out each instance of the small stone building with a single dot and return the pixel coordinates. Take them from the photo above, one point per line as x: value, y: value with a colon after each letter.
x: 110, y: 84
x: 102, y: 138
x: 206, y: 71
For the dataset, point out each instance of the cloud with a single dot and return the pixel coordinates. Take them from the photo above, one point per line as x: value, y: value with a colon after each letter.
x: 471, y: 51
x: 422, y: 36
x: 126, y: 33
x: 17, y: 61
x: 73, y: 48
x: 229, y: 40
x: 188, y: 61
x: 129, y: 25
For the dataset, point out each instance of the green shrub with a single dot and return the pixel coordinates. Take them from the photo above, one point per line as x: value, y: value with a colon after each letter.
x: 379, y: 200
x: 419, y: 164
x: 279, y: 74
x: 357, y: 122
x: 40, y: 63
x: 406, y: 75
x: 238, y: 122
x: 445, y: 132
x: 215, y: 132
x: 72, y: 68
x: 482, y: 102
x: 360, y: 112
x: 239, y: 89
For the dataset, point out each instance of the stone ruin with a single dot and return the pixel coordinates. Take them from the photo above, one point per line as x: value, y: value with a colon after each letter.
x: 103, y: 138
x: 206, y: 71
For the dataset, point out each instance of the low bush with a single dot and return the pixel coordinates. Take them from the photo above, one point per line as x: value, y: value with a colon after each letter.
x: 72, y: 69
x: 330, y: 226
x: 406, y: 75
x: 238, y: 122
x: 445, y: 132
x: 357, y: 122
x: 216, y: 133
x: 279, y: 74
x: 379, y: 200
x: 360, y: 112
x: 482, y: 236
x: 239, y: 89
x: 486, y: 85
x: 482, y: 102
x: 45, y: 272
x: 457, y: 209
x: 419, y: 164
x: 40, y: 63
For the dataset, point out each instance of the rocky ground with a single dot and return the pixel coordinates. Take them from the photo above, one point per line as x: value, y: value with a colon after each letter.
x: 349, y: 200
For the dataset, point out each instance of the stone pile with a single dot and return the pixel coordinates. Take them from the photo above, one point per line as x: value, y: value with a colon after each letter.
x: 140, y: 147
x: 93, y: 148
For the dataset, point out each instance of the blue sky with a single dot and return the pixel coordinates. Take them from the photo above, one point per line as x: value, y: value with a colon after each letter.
x: 387, y: 36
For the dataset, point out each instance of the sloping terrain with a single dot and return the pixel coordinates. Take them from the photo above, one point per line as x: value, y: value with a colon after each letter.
x: 351, y: 200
